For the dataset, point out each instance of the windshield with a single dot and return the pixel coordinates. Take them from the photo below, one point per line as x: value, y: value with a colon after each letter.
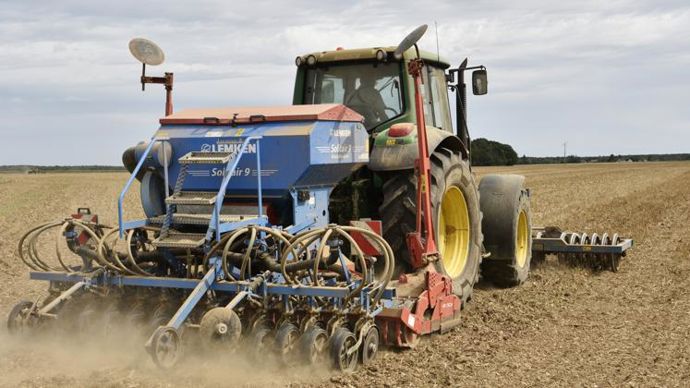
x: 370, y: 89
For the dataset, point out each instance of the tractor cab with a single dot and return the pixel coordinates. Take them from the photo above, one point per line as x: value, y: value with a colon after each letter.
x: 374, y: 83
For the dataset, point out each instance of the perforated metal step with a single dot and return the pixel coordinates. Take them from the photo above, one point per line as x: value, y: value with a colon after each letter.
x: 198, y: 219
x: 199, y: 157
x: 180, y: 240
x: 192, y: 198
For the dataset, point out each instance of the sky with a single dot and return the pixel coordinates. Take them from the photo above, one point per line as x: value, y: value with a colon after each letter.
x: 604, y: 76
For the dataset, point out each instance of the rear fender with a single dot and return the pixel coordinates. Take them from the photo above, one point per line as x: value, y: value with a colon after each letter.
x: 399, y: 153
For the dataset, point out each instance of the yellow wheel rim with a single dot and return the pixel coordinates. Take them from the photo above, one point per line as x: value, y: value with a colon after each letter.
x: 453, y: 232
x: 522, y: 243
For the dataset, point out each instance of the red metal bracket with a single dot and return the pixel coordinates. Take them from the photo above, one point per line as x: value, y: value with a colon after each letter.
x: 437, y: 309
x: 84, y: 214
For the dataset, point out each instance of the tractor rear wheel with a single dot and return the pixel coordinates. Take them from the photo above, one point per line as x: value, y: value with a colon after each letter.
x: 507, y: 229
x: 456, y: 218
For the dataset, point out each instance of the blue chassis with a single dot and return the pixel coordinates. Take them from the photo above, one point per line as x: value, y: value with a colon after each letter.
x: 240, y: 289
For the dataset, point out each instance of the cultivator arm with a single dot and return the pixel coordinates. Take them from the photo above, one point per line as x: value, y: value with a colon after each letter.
x: 256, y: 282
x: 595, y: 251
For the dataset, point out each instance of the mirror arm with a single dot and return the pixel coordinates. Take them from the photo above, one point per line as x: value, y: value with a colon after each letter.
x: 462, y: 130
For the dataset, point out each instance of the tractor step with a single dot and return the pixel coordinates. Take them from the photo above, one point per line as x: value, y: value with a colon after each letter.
x: 192, y: 198
x: 180, y: 240
x: 200, y: 157
x: 199, y: 219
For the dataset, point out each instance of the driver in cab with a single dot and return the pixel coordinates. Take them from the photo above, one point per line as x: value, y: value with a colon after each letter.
x: 367, y: 101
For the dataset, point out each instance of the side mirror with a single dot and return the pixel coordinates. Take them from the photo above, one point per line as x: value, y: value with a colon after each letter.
x: 327, y: 92
x: 480, y: 83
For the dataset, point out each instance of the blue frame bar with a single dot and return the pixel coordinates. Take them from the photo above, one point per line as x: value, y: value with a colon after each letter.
x: 259, y: 178
x: 191, y: 284
x: 214, y: 224
x: 124, y: 191
x: 228, y: 226
x: 193, y: 298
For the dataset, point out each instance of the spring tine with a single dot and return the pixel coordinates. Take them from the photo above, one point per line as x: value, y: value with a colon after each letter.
x: 594, y: 240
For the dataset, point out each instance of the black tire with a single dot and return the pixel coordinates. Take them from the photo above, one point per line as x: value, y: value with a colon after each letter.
x: 260, y: 341
x: 166, y: 348
x: 398, y: 213
x: 313, y: 345
x: 342, y: 341
x: 503, y: 199
x: 370, y: 345
x: 287, y: 338
x: 19, y: 319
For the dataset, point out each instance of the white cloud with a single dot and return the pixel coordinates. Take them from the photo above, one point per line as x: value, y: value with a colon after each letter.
x: 601, y: 75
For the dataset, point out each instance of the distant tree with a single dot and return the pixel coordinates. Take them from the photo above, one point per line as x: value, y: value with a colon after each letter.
x: 492, y: 153
x: 573, y: 159
x: 611, y: 158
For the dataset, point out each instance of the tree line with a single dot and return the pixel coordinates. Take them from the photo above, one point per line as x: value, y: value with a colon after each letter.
x: 486, y: 152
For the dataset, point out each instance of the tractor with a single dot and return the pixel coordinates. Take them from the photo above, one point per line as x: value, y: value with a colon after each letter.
x: 311, y: 233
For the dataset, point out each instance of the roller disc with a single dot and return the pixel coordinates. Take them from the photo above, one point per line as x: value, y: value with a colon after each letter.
x: 313, y: 345
x: 370, y: 345
x: 260, y: 341
x: 135, y: 315
x: 165, y: 347
x: 220, y: 329
x: 344, y: 354
x: 20, y: 320
x: 614, y: 262
x: 86, y: 319
x: 286, y: 339
x: 161, y: 315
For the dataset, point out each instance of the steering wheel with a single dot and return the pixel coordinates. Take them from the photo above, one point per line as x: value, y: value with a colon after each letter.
x: 395, y: 112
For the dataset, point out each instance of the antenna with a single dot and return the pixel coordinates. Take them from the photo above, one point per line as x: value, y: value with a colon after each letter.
x: 565, y: 147
x: 438, y: 51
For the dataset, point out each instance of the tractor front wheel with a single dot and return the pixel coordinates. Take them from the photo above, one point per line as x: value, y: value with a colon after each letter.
x: 456, y: 218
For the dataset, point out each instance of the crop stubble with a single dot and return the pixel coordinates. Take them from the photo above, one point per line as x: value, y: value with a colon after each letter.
x: 565, y: 326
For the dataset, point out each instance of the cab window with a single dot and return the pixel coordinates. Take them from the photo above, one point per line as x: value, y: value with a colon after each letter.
x: 439, y: 95
x: 435, y: 96
x: 371, y: 89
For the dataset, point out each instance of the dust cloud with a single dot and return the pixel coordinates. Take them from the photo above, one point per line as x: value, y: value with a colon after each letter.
x: 55, y: 358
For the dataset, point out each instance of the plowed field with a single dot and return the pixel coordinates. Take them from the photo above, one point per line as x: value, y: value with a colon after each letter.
x: 564, y: 327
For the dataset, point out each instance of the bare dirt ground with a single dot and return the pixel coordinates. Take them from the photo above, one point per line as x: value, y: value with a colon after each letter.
x: 564, y: 327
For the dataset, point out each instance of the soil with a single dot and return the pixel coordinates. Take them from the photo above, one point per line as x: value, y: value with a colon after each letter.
x: 564, y: 327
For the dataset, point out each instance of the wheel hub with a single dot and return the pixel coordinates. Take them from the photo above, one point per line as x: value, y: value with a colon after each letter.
x: 453, y: 231
x: 522, y: 243
x: 221, y: 328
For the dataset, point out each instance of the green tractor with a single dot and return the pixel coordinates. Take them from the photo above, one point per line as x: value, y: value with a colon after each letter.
x: 483, y: 226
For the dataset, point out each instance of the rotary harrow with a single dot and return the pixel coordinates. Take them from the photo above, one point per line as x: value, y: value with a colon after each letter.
x: 316, y: 232
x: 580, y: 249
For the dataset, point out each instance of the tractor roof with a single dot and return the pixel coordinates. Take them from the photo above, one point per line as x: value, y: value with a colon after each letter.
x: 369, y: 53
x: 248, y: 115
